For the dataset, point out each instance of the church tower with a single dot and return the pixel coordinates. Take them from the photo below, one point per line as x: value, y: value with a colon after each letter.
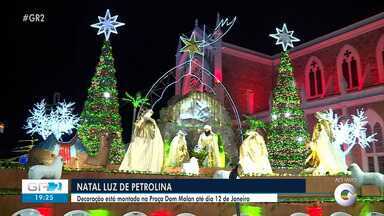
x: 194, y: 76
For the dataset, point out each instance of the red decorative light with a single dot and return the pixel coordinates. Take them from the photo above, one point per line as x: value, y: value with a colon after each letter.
x: 65, y: 152
x: 315, y: 211
x: 161, y: 212
x: 219, y: 75
x: 45, y: 211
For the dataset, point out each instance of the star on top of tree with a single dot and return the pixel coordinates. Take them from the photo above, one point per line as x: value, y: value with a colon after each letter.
x: 107, y: 25
x: 284, y: 37
x: 191, y: 45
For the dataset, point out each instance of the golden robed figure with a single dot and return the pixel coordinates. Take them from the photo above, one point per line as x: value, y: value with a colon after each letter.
x: 254, y: 155
x: 145, y: 152
x: 325, y: 157
x: 178, y: 151
x: 209, y: 142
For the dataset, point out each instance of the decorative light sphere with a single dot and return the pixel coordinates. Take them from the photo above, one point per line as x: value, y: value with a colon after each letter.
x: 107, y: 95
x: 300, y: 139
x: 23, y: 159
x: 287, y: 114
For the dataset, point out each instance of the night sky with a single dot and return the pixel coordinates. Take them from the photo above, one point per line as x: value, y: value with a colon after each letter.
x: 60, y: 55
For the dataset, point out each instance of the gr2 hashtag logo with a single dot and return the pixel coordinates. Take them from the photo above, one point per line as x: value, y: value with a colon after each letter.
x: 34, y: 18
x: 345, y: 194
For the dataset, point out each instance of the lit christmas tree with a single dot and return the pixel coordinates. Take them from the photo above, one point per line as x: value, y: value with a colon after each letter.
x: 288, y: 130
x: 100, y: 116
x: 101, y: 109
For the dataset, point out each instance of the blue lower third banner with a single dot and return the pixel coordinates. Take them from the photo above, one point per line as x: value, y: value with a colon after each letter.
x: 44, y: 198
x: 183, y: 190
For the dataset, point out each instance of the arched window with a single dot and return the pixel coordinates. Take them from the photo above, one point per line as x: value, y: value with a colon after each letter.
x: 348, y: 65
x: 379, y: 147
x: 380, y: 58
x: 373, y: 157
x: 369, y: 132
x: 314, y: 77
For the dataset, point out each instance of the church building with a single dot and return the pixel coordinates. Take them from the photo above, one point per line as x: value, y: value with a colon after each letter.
x: 342, y: 70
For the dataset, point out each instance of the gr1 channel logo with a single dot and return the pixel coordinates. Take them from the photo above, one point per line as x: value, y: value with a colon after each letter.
x: 345, y: 194
x: 44, y: 191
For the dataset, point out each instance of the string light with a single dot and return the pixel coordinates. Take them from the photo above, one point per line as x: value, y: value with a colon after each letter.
x: 107, y: 95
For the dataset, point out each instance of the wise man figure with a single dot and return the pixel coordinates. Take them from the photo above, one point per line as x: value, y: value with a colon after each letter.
x: 209, y: 142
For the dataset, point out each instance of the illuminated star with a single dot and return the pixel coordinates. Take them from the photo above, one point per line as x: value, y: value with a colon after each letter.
x: 191, y: 45
x: 284, y: 37
x: 107, y: 25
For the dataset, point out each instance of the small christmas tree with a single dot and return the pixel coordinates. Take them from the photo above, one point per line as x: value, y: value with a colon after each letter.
x: 101, y: 116
x: 288, y: 130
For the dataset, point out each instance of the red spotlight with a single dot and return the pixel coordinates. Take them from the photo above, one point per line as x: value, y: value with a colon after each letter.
x: 45, y: 211
x: 162, y: 212
x: 315, y: 211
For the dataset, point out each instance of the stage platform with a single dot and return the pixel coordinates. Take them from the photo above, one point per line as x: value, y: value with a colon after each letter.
x: 319, y: 192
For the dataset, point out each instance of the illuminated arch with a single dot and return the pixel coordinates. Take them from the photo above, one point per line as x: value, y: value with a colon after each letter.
x: 168, y: 79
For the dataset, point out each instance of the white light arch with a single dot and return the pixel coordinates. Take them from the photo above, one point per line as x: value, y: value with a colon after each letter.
x: 168, y: 79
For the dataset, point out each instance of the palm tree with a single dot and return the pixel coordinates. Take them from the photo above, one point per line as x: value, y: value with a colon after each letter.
x: 136, y: 102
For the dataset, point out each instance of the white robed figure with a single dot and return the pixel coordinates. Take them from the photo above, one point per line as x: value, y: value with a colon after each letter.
x: 254, y: 155
x: 178, y: 151
x: 325, y: 157
x: 145, y: 152
x: 209, y: 142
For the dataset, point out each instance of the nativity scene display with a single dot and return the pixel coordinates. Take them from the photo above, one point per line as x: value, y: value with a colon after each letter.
x: 199, y: 128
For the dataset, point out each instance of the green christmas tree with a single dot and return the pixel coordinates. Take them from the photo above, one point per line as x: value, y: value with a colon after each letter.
x: 101, y: 109
x: 288, y: 130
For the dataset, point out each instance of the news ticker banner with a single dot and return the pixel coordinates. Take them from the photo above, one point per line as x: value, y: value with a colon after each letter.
x: 183, y: 190
x: 159, y: 190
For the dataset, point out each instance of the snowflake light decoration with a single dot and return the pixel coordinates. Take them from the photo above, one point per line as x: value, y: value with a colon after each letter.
x: 59, y: 121
x: 107, y: 25
x: 284, y: 37
x: 348, y: 132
